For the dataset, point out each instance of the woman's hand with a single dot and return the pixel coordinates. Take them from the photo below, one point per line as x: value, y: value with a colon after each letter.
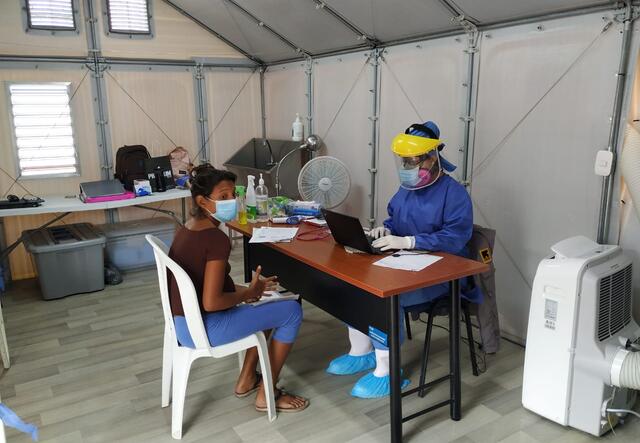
x: 259, y: 285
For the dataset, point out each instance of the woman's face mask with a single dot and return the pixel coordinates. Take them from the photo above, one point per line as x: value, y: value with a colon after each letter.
x: 225, y: 210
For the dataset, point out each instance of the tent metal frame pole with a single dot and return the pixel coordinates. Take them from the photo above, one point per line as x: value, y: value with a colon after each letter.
x: 219, y: 63
x: 231, y: 63
x: 38, y: 59
x: 360, y: 34
x: 263, y: 118
x: 614, y: 132
x: 262, y: 24
x: 373, y: 143
x: 308, y: 71
x: 98, y: 88
x: 469, y: 116
x: 212, y: 31
x: 201, y: 112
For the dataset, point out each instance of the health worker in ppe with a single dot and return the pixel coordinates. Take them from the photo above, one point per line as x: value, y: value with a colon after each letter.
x: 430, y: 212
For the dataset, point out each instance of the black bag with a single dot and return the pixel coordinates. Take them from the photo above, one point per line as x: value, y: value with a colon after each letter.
x: 130, y: 165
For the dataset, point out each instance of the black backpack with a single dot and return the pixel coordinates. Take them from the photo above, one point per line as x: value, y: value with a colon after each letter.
x: 130, y: 165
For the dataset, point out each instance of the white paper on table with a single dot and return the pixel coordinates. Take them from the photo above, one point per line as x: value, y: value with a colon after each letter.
x: 273, y: 296
x: 273, y: 235
x: 408, y: 261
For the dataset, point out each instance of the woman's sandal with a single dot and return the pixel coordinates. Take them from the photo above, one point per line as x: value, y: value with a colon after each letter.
x: 279, y: 394
x: 255, y: 387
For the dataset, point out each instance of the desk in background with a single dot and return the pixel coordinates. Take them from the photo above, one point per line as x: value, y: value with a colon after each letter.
x: 64, y: 206
x: 351, y: 289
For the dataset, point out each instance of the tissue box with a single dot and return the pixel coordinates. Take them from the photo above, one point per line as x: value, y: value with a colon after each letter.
x: 142, y: 187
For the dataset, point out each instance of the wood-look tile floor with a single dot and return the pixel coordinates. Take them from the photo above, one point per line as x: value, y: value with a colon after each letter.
x: 86, y: 368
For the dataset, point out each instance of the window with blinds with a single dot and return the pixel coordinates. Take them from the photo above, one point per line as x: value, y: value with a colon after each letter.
x: 128, y: 16
x: 51, y: 15
x: 43, y: 129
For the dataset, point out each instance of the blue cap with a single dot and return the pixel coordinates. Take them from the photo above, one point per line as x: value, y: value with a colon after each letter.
x: 446, y: 164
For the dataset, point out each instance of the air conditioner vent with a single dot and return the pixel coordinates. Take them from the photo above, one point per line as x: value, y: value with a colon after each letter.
x: 614, y: 303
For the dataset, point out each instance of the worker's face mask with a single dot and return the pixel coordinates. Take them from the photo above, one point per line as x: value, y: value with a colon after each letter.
x: 419, y: 171
x: 409, y: 177
x: 226, y: 210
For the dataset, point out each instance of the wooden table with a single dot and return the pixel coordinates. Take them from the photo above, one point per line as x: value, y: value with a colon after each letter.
x: 350, y: 288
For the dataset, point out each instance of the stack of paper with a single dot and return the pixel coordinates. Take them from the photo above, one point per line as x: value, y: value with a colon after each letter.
x: 407, y: 261
x: 271, y: 296
x: 273, y: 235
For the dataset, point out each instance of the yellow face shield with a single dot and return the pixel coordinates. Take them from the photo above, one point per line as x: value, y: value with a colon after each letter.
x: 405, y: 145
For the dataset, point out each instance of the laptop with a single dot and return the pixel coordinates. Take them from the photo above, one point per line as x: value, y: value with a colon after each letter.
x: 348, y: 231
x: 101, y: 188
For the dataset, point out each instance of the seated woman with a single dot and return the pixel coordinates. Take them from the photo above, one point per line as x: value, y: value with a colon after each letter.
x: 202, y: 250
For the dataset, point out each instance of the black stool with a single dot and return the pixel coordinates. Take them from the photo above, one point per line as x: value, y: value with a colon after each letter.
x: 440, y: 307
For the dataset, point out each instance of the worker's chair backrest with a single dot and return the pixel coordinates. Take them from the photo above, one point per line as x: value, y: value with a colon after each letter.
x: 481, y: 249
x: 188, y: 295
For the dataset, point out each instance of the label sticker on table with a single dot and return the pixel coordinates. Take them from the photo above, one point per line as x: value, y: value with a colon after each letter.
x: 378, y: 336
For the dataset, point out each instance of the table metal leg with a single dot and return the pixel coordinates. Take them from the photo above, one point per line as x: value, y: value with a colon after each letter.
x: 454, y: 350
x: 395, y: 403
x: 183, y: 204
x: 245, y: 254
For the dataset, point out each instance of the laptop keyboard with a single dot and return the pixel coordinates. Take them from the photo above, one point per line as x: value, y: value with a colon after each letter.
x: 371, y: 239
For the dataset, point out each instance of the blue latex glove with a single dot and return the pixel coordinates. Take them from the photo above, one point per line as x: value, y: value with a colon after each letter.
x: 11, y: 419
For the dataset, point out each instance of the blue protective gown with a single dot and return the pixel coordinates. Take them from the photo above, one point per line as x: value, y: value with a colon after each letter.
x: 440, y: 217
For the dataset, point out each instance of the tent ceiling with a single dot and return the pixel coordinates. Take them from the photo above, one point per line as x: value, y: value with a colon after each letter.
x: 276, y: 30
x: 496, y: 11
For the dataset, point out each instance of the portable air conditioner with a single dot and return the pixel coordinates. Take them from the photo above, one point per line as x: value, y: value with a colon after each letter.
x: 580, y: 358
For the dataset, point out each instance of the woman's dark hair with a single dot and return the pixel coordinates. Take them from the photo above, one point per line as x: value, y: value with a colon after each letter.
x: 203, y: 179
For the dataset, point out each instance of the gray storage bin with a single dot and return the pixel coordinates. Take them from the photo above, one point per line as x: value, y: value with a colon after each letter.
x: 127, y: 248
x: 68, y: 259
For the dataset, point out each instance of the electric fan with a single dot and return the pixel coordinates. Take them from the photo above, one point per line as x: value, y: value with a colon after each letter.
x: 324, y: 180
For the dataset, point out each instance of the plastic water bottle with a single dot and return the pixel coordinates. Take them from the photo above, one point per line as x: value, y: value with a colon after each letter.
x: 252, y: 212
x: 242, y: 208
x: 262, y: 201
x: 297, y: 129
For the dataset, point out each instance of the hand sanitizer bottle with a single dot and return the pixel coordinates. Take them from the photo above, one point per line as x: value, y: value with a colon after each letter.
x: 262, y: 201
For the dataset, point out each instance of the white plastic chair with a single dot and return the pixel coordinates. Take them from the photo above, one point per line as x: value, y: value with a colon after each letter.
x: 176, y: 359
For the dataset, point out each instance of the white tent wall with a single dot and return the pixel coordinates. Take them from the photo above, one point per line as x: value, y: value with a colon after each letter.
x: 432, y: 75
x: 233, y: 99
x: 342, y: 108
x: 285, y: 87
x: 629, y: 222
x: 538, y: 187
x: 175, y: 37
x: 85, y: 138
x: 15, y: 41
x: 155, y: 109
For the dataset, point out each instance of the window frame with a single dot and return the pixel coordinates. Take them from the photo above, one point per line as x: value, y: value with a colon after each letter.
x: 127, y: 34
x: 14, y: 135
x: 40, y: 30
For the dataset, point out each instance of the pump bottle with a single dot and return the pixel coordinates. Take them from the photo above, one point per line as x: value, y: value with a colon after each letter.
x: 297, y: 129
x: 262, y: 201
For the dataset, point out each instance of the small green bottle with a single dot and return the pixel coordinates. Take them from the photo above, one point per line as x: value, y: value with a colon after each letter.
x: 242, y: 208
x: 252, y: 210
